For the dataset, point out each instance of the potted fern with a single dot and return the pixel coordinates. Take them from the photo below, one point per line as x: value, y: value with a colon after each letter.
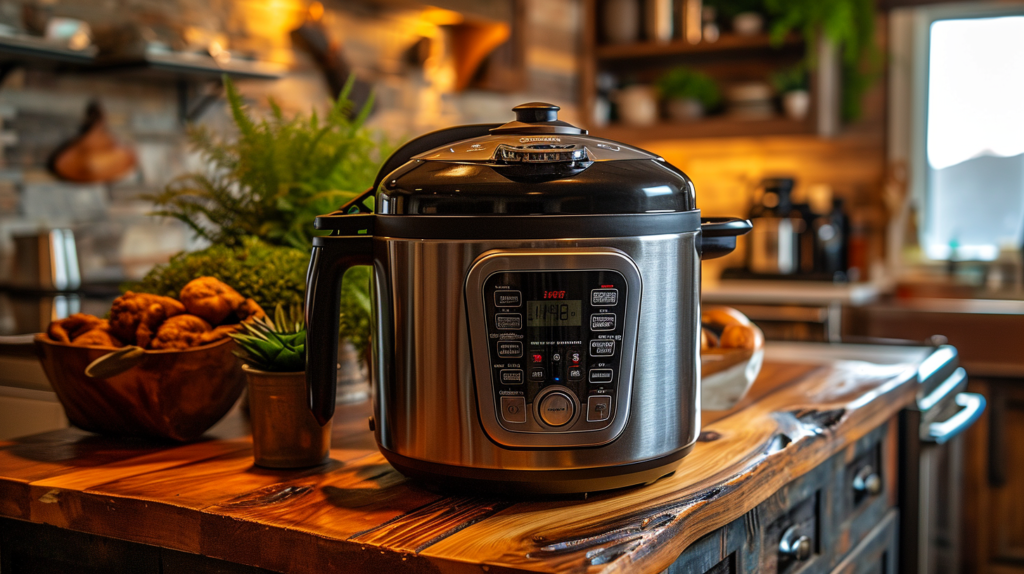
x: 284, y: 432
x: 791, y: 85
x: 687, y: 93
x: 256, y: 202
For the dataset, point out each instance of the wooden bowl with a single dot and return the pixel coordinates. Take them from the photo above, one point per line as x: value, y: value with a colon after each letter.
x: 171, y: 394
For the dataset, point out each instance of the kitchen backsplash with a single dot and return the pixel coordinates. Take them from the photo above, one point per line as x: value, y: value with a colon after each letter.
x: 40, y: 110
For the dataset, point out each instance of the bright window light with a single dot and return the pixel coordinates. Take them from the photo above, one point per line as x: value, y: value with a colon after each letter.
x: 975, y: 141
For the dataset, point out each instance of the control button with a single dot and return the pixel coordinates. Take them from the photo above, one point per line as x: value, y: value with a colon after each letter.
x: 574, y: 357
x: 510, y: 349
x: 556, y: 409
x: 600, y: 376
x: 512, y: 376
x: 556, y: 357
x: 575, y: 374
x: 508, y: 298
x: 510, y: 321
x: 602, y: 348
x: 602, y: 322
x: 598, y: 409
x: 604, y: 297
x: 537, y: 357
x: 537, y: 374
x: 513, y: 409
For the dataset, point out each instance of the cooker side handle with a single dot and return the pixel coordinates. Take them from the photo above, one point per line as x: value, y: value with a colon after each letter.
x: 331, y: 257
x: 718, y: 235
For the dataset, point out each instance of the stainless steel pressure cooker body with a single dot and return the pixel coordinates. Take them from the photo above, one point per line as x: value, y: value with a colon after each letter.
x: 536, y: 307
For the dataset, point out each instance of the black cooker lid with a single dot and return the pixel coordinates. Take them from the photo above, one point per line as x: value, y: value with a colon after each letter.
x: 535, y: 165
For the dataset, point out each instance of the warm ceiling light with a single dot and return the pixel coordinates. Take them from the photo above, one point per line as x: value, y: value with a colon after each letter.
x: 441, y: 17
x: 315, y: 12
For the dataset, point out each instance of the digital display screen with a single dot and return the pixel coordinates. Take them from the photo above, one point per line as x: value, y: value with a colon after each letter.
x: 564, y: 313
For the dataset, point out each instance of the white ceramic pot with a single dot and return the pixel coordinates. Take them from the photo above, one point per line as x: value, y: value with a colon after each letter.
x: 621, y: 21
x: 748, y: 23
x: 796, y: 104
x: 684, y: 109
x: 637, y: 105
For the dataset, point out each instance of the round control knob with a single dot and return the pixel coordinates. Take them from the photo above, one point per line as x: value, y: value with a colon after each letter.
x: 557, y: 409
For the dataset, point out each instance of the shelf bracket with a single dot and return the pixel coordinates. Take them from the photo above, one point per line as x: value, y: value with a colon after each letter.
x: 195, y: 97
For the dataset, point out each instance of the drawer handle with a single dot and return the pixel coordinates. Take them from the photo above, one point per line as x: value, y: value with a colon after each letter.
x: 795, y: 545
x: 974, y: 405
x: 867, y: 481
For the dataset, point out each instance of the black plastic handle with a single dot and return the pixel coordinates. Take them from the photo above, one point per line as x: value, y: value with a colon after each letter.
x: 718, y: 235
x: 331, y: 257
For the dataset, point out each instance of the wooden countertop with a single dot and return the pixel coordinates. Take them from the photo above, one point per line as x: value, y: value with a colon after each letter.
x: 357, y: 514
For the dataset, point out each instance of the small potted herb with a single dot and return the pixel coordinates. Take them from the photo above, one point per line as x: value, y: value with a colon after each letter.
x: 687, y: 93
x: 284, y: 432
x: 791, y: 84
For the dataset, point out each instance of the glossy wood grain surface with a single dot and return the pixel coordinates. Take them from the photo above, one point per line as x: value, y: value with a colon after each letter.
x: 357, y: 514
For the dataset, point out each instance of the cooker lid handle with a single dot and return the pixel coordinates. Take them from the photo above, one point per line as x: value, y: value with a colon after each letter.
x: 538, y: 118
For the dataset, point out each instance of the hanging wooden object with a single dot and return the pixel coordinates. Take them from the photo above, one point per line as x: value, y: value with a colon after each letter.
x: 94, y: 155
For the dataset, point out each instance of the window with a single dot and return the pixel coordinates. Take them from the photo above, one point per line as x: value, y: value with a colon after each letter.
x: 975, y: 137
x: 957, y: 121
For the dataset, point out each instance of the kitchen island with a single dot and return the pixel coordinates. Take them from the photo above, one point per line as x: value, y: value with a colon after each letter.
x: 801, y: 473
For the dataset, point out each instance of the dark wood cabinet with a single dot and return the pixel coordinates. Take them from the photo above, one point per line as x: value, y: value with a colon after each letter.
x: 986, y: 517
x: 847, y: 528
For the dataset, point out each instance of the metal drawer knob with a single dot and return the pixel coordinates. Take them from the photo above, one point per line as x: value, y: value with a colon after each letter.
x: 795, y: 545
x: 867, y: 481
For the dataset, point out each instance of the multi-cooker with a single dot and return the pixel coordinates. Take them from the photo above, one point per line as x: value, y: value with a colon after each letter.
x: 536, y: 297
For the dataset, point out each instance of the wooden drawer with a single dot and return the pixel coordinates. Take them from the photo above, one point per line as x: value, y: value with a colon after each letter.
x: 844, y: 507
x: 792, y: 542
x: 865, y: 489
x: 876, y: 553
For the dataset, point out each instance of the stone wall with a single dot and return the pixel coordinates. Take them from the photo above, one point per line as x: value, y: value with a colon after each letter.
x: 41, y: 109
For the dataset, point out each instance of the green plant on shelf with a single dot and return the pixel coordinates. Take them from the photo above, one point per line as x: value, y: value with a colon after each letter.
x: 685, y: 83
x: 849, y: 24
x: 275, y: 345
x: 790, y: 80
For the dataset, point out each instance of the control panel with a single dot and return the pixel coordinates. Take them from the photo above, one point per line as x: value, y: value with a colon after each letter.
x: 559, y: 344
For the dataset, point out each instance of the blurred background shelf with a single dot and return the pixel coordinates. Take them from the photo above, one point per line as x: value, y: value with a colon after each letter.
x: 709, y: 127
x: 680, y: 47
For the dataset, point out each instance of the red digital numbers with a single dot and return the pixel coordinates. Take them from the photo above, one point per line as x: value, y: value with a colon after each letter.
x: 554, y: 294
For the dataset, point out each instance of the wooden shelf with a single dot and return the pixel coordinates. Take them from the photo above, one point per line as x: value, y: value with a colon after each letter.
x: 190, y: 67
x: 721, y: 126
x: 36, y: 50
x: 32, y: 51
x: 679, y: 47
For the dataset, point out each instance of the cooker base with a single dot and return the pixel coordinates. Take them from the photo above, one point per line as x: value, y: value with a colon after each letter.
x: 535, y: 482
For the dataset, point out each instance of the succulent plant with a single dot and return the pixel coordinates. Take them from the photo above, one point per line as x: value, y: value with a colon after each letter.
x: 275, y: 345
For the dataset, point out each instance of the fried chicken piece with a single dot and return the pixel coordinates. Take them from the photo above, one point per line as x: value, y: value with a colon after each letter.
x: 134, y: 317
x: 210, y: 299
x: 250, y: 310
x: 741, y: 337
x: 708, y: 339
x: 98, y: 337
x: 219, y: 333
x: 66, y: 330
x: 180, y: 332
